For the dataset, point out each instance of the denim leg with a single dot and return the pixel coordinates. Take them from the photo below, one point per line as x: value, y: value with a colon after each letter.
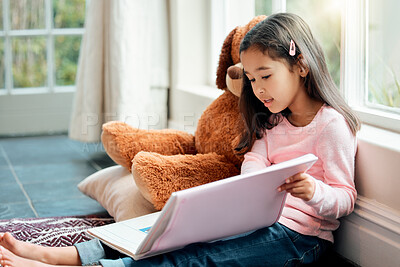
x: 272, y: 246
x: 93, y: 252
x: 112, y: 263
x: 309, y: 248
x: 90, y: 252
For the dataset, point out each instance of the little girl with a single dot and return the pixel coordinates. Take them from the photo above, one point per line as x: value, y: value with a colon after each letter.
x: 291, y: 107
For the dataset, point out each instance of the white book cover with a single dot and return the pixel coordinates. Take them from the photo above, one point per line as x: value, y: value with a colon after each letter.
x: 206, y: 213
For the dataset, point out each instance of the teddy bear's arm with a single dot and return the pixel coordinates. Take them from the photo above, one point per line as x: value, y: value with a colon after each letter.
x: 158, y: 176
x: 122, y: 142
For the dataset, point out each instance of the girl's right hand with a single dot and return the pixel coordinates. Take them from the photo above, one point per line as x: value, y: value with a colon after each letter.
x: 301, y: 185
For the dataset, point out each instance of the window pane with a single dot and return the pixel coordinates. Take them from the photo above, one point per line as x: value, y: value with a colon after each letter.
x: 29, y: 61
x: 324, y: 19
x: 69, y: 13
x: 263, y: 7
x: 2, y: 72
x: 383, y: 53
x: 27, y: 14
x: 1, y: 15
x: 66, y: 57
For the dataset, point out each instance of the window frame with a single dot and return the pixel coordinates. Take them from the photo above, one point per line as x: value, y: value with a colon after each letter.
x: 224, y: 16
x: 354, y: 58
x: 50, y: 33
x: 354, y: 73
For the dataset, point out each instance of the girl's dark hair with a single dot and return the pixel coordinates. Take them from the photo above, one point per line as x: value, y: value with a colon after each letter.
x: 273, y: 36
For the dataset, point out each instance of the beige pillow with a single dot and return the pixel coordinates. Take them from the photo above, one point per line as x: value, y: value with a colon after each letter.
x: 115, y: 189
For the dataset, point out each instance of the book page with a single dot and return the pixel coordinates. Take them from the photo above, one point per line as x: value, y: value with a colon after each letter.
x: 159, y: 226
x: 205, y: 213
x: 230, y: 206
x: 126, y: 235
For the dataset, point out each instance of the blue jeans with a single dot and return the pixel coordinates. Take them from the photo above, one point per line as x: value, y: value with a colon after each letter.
x: 276, y: 245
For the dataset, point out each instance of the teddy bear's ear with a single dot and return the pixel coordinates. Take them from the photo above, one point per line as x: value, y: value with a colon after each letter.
x: 239, y: 35
x: 225, y: 60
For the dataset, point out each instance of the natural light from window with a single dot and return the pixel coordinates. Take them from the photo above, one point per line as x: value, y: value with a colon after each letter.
x: 39, y: 43
x: 367, y: 30
x: 384, y: 55
x: 324, y: 19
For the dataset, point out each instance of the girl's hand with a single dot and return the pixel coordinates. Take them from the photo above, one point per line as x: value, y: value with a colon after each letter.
x: 300, y: 185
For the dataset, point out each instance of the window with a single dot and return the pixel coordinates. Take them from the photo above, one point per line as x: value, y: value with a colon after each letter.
x: 360, y: 44
x: 324, y: 19
x: 225, y: 16
x: 367, y: 68
x: 371, y: 67
x: 383, y: 55
x: 39, y: 44
x: 263, y: 7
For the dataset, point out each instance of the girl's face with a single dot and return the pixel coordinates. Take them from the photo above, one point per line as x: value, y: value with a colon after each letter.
x: 273, y: 83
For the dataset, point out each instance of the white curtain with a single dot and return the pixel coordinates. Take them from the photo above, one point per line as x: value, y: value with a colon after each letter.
x: 123, y: 67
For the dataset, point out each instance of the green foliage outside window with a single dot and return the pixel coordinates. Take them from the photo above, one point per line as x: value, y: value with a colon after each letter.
x: 66, y: 58
x: 69, y: 13
x: 29, y: 61
x: 27, y: 14
x: 383, y: 55
x: 30, y: 53
x: 2, y: 72
x: 386, y: 90
x: 324, y: 19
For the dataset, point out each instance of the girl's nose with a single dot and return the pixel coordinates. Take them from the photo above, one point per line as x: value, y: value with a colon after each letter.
x: 261, y: 90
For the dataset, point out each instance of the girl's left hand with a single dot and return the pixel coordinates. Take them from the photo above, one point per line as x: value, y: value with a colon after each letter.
x: 300, y: 185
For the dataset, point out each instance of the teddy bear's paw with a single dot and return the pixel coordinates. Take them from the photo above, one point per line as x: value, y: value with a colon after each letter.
x: 141, y: 184
x: 117, y: 138
x: 122, y: 142
x: 158, y: 176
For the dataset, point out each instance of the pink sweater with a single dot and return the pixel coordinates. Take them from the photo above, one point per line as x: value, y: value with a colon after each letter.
x: 331, y: 140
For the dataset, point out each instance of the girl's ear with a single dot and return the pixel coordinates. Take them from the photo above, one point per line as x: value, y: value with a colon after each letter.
x: 303, y: 68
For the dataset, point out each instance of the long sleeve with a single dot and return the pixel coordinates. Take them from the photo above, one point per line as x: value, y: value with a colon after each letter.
x: 335, y: 194
x: 331, y: 140
x: 257, y: 158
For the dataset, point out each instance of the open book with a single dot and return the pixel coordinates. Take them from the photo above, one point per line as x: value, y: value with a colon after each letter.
x: 206, y: 213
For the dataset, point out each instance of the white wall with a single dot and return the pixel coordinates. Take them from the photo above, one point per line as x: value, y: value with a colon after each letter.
x: 378, y: 166
x: 189, y: 35
x: 370, y: 236
x: 193, y: 70
x: 43, y: 113
x: 189, y: 63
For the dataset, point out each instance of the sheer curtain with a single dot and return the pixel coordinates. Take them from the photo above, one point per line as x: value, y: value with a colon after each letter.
x: 123, y: 67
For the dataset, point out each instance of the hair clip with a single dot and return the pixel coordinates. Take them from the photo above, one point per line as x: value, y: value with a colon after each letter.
x: 292, y: 49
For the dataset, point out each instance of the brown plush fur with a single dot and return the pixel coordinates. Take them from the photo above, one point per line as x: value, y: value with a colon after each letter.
x: 225, y: 60
x: 219, y: 133
x: 240, y: 33
x: 164, y: 161
x: 163, y: 175
x: 123, y: 142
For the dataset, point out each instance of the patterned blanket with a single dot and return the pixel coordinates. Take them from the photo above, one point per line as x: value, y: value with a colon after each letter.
x: 54, y: 231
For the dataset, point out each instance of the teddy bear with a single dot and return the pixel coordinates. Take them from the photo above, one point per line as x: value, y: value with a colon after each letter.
x: 165, y: 161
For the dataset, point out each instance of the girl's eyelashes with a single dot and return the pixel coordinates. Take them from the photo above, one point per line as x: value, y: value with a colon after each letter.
x: 263, y: 77
x: 251, y: 80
